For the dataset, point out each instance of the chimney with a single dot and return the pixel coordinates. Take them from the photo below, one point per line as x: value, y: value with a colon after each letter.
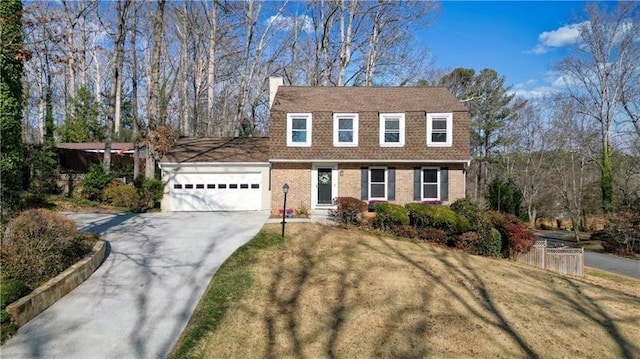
x: 274, y: 83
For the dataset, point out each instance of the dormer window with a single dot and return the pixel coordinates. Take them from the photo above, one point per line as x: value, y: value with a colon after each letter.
x: 392, y: 129
x: 439, y: 129
x: 299, y: 130
x: 345, y: 129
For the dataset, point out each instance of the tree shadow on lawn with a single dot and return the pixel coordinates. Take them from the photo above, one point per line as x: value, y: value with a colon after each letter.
x: 579, y: 302
x: 293, y: 284
x: 401, y: 330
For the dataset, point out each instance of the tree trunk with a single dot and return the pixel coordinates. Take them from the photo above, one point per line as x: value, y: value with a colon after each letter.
x: 154, y: 91
x: 213, y: 30
x: 185, y: 36
x: 113, y: 112
x: 134, y: 91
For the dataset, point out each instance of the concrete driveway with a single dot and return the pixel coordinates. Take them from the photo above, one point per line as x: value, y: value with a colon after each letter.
x: 138, y: 302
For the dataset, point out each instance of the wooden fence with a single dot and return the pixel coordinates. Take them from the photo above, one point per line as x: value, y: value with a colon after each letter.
x: 561, y: 260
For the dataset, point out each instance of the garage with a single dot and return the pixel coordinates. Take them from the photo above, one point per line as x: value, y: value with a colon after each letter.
x: 216, y: 191
x: 215, y: 174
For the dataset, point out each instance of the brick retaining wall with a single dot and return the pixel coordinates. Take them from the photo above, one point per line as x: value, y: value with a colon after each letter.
x: 29, y: 306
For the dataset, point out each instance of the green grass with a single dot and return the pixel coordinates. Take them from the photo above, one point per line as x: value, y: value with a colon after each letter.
x: 228, y: 285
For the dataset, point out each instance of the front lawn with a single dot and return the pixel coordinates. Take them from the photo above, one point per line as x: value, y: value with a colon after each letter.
x: 329, y: 292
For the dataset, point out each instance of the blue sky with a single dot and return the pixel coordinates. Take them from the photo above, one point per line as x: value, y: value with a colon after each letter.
x: 520, y: 39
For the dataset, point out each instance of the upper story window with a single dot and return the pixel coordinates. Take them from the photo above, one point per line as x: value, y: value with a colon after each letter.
x: 345, y: 129
x: 299, y: 129
x: 392, y: 129
x: 439, y: 129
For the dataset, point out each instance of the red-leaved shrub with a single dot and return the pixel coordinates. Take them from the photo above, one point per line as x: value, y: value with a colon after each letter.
x: 348, y: 211
x: 516, y: 237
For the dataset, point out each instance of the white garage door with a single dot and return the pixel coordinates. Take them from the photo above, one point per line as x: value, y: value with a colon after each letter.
x: 216, y: 191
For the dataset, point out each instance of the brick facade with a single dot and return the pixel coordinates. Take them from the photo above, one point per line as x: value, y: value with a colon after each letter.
x: 299, y: 178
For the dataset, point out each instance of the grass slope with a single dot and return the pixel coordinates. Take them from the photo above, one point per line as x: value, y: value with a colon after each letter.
x: 329, y: 292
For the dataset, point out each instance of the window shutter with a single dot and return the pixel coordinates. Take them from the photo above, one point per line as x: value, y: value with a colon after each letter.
x: 364, y: 183
x: 391, y: 184
x: 417, y: 183
x: 444, y: 184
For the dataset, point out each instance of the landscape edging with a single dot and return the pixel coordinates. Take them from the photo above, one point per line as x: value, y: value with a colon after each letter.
x: 29, y: 306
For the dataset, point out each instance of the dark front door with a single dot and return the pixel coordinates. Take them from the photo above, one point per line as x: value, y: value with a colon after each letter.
x: 324, y: 185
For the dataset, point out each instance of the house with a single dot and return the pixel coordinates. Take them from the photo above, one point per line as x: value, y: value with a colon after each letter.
x: 75, y: 160
x: 78, y: 157
x: 396, y: 144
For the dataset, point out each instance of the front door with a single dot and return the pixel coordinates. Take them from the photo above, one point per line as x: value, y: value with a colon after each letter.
x: 324, y: 186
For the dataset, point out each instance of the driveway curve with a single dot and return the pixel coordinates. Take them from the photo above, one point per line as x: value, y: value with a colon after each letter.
x: 140, y: 299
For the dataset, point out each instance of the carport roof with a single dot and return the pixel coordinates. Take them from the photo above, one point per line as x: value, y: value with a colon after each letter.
x: 218, y: 149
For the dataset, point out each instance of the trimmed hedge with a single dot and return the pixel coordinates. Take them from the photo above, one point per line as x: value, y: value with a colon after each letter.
x: 422, y: 215
x: 390, y: 215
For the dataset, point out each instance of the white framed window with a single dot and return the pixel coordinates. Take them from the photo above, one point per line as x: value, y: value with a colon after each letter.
x: 298, y: 129
x: 378, y: 183
x: 430, y: 183
x: 439, y: 129
x: 345, y: 129
x: 392, y: 129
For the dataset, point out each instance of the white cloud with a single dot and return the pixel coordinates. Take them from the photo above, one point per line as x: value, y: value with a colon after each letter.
x: 563, y: 36
x: 288, y: 23
x: 538, y: 50
x: 536, y: 92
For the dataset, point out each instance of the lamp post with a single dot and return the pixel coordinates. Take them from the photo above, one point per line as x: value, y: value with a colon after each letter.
x: 285, y: 189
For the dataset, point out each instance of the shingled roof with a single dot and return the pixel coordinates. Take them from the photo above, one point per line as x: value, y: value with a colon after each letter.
x: 357, y: 99
x: 216, y: 149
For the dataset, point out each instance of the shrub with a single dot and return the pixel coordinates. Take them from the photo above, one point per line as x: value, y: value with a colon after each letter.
x: 122, y: 195
x: 348, y: 211
x: 621, y: 233
x: 151, y: 191
x: 405, y: 231
x: 12, y: 290
x: 39, y: 244
x: 476, y: 216
x: 423, y: 215
x: 490, y: 246
x: 433, y: 235
x: 467, y: 241
x: 372, y: 204
x: 94, y: 182
x: 389, y: 215
x: 515, y: 234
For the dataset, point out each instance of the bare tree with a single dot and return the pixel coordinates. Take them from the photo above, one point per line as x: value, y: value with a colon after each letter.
x: 573, y: 136
x: 526, y: 158
x: 598, y: 72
